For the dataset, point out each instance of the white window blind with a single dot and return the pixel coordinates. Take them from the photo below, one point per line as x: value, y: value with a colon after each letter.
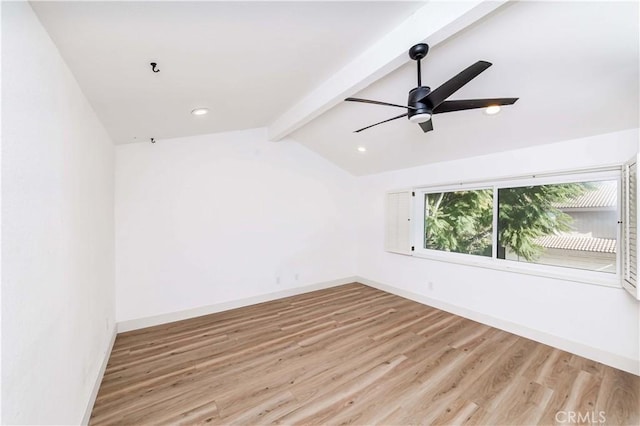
x: 398, y: 222
x: 630, y: 227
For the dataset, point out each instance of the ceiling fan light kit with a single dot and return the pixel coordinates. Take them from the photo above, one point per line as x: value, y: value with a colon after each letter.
x: 423, y: 102
x: 420, y: 117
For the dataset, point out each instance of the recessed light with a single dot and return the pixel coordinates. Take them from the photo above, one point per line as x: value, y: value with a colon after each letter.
x: 200, y: 111
x: 493, y: 109
x: 362, y: 149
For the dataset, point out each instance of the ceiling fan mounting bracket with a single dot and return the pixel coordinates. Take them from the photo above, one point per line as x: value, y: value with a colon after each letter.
x: 418, y: 51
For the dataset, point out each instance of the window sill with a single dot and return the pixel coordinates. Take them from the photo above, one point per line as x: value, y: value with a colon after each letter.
x: 587, y: 277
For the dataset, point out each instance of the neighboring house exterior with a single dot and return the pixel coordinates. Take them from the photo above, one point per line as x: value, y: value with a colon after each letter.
x: 592, y: 242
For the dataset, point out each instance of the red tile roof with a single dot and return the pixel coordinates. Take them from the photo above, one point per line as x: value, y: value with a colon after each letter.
x: 600, y: 245
x: 604, y: 195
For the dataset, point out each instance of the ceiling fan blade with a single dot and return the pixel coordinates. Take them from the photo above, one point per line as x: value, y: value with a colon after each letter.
x: 461, y: 105
x: 427, y: 126
x: 437, y: 96
x: 369, y: 101
x: 385, y: 121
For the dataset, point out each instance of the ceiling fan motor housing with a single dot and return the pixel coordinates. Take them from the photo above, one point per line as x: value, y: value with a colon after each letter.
x: 417, y: 99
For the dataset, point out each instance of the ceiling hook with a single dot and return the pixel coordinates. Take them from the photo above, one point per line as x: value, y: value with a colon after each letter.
x: 153, y: 67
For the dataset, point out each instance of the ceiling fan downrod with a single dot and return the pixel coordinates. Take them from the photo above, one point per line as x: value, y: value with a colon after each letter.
x: 418, y: 52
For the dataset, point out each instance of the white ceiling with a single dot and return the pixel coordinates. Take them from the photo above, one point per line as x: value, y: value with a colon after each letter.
x: 246, y: 61
x: 574, y: 66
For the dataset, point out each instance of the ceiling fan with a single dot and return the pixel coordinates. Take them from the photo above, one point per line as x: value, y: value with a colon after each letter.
x: 424, y: 102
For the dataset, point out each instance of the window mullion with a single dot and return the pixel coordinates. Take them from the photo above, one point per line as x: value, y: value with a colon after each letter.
x: 494, y: 250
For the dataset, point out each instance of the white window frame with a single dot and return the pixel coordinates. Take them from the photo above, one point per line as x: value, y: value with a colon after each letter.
x: 559, y: 272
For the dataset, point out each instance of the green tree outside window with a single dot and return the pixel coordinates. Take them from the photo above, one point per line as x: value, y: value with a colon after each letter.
x: 462, y: 221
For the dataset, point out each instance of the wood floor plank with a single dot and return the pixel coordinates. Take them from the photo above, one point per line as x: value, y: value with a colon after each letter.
x: 456, y: 413
x: 350, y: 355
x: 367, y: 407
x: 328, y: 400
x: 264, y: 412
x: 523, y: 403
x: 335, y: 374
x: 618, y: 397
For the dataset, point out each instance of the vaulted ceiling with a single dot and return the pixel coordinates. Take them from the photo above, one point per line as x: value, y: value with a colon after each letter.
x: 287, y: 65
x: 245, y: 61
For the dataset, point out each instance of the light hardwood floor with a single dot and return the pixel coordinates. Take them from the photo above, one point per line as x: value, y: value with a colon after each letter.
x: 352, y: 354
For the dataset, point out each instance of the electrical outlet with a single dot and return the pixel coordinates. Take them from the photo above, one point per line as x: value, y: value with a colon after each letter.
x: 430, y: 285
x: 296, y: 277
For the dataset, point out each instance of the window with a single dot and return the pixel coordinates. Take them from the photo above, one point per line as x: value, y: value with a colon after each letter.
x: 566, y: 226
x: 459, y: 221
x: 572, y: 225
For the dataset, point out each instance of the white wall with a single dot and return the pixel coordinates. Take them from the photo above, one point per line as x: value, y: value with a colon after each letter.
x: 222, y: 217
x: 599, y: 321
x: 58, y: 230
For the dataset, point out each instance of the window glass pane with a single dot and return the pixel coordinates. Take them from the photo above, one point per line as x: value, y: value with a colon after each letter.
x: 460, y: 221
x: 572, y: 225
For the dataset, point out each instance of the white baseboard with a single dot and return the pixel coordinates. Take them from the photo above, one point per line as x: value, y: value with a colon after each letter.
x: 614, y: 360
x: 138, y: 323
x: 98, y: 381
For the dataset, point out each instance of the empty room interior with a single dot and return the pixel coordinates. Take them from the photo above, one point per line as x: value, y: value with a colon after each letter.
x: 340, y: 212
